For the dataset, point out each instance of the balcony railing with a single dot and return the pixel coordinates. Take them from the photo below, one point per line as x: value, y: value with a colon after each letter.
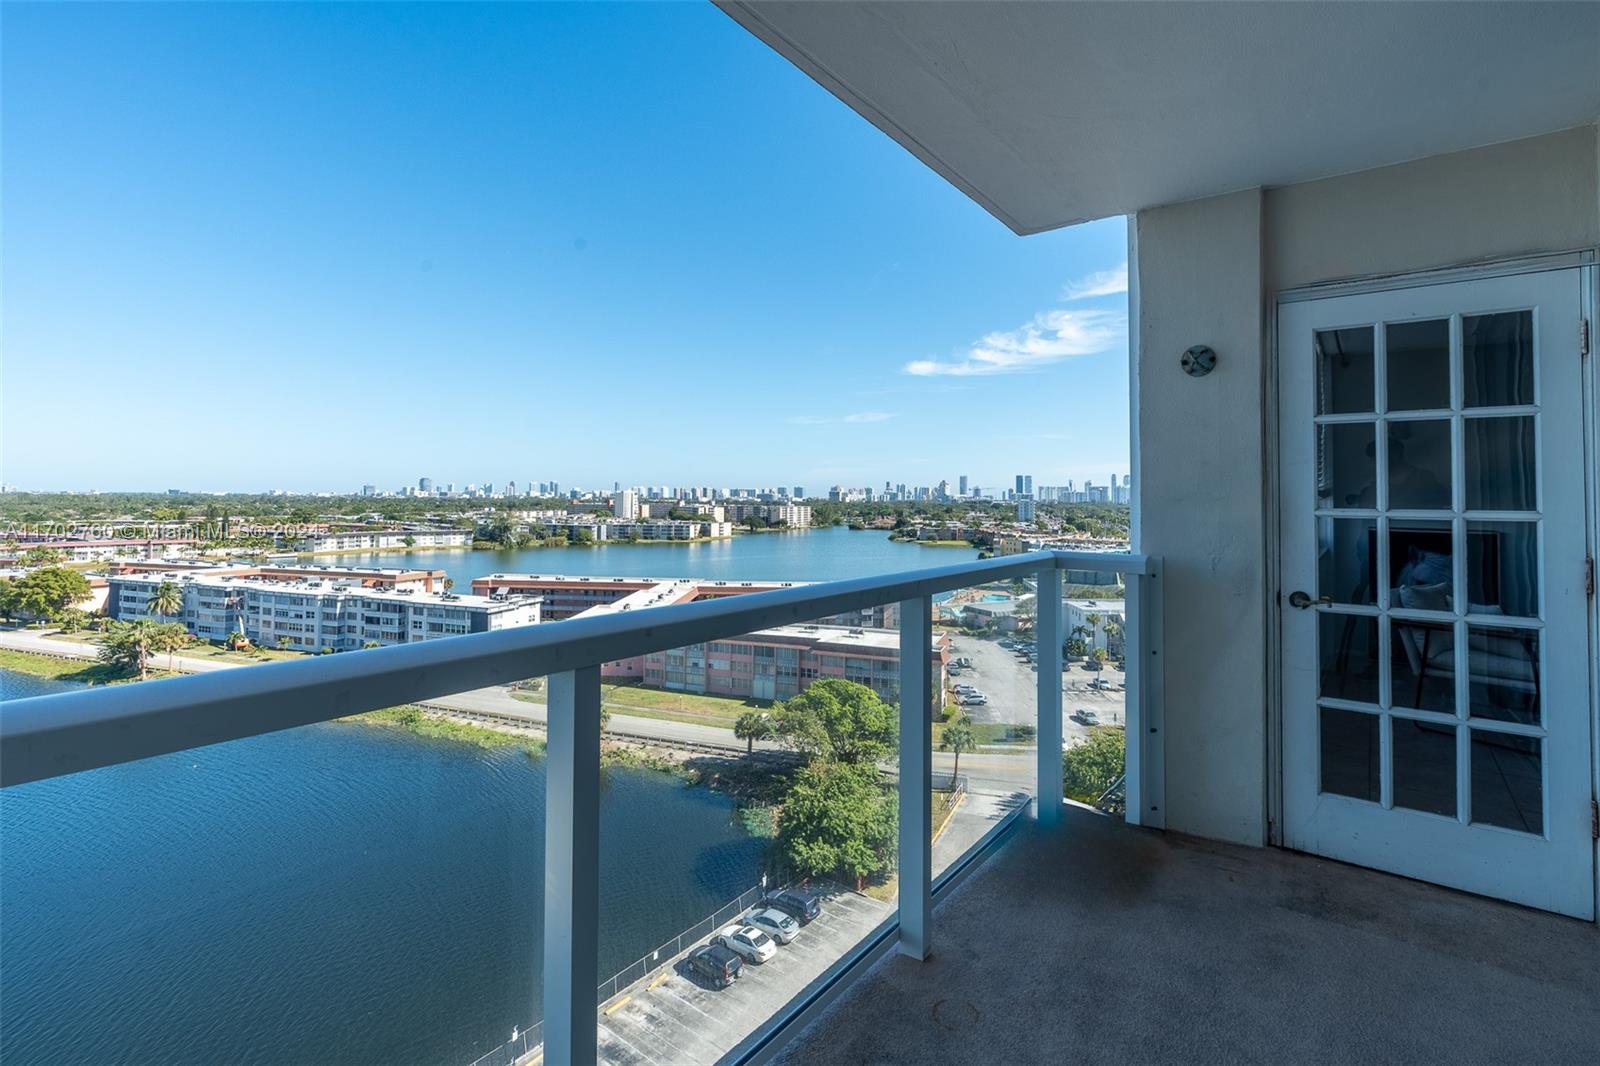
x: 50, y: 736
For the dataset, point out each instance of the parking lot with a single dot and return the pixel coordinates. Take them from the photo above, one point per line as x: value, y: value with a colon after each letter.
x: 1012, y: 688
x: 674, y: 1018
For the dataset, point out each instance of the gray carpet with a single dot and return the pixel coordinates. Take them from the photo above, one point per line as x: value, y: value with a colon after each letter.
x: 1102, y: 943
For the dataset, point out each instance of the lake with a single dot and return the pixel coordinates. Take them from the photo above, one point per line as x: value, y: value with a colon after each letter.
x: 826, y: 554
x: 336, y: 893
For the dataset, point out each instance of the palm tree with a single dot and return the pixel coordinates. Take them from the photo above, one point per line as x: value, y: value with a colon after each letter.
x: 752, y: 726
x: 958, y: 737
x: 1113, y: 631
x: 169, y: 637
x: 166, y: 600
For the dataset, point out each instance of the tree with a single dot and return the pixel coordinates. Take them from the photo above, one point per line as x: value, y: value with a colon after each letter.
x: 46, y: 592
x: 1090, y: 768
x: 839, y: 721
x: 170, y: 637
x: 167, y: 599
x: 409, y: 541
x: 838, y: 818
x: 1113, y: 632
x: 958, y: 737
x: 40, y: 557
x: 752, y: 726
x: 1099, y: 655
x: 127, y: 645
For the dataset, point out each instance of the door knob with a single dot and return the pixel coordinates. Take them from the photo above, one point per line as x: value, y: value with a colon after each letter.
x: 1302, y: 600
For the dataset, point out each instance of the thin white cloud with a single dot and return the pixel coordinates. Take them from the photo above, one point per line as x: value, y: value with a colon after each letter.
x: 1051, y: 337
x: 856, y: 419
x: 1100, y: 283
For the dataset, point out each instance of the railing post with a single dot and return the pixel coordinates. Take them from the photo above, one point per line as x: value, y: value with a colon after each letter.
x: 916, y: 776
x: 1145, y: 774
x: 572, y: 867
x: 1047, y: 613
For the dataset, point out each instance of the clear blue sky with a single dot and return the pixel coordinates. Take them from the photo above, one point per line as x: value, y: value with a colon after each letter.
x: 308, y: 247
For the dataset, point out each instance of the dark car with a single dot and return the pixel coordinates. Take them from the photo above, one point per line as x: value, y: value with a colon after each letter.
x: 801, y: 906
x: 719, y: 966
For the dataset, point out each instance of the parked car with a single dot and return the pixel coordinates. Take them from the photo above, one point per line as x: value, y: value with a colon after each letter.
x: 964, y: 662
x: 973, y: 699
x: 1084, y: 716
x: 751, y: 943
x: 803, y: 907
x: 718, y: 966
x: 776, y: 924
x: 964, y: 689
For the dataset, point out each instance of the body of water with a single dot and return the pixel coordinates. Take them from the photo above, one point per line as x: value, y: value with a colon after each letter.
x: 818, y: 555
x: 337, y: 893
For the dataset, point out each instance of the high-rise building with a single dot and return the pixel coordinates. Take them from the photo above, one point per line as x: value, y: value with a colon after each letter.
x: 625, y: 505
x: 1024, y: 507
x: 1024, y: 484
x: 963, y: 485
x: 424, y: 484
x: 369, y: 490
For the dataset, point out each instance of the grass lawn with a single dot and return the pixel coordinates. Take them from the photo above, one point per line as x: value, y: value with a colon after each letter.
x: 416, y: 720
x: 198, y: 650
x: 685, y: 707
x: 985, y: 733
x: 83, y: 671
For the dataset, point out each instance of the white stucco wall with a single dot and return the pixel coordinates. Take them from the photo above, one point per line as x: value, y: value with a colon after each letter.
x: 1198, y: 474
x: 1205, y: 272
x: 1524, y: 197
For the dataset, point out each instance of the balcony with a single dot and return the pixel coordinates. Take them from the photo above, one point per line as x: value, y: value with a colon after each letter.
x: 52, y: 736
x: 1098, y: 941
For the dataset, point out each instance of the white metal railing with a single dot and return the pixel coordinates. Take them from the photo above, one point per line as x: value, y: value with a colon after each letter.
x: 48, y: 736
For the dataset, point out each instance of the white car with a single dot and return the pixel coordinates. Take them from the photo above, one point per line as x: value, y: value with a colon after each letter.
x: 748, y: 942
x: 776, y: 924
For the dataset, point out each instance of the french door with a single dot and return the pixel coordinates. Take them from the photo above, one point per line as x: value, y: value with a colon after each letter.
x: 1437, y: 715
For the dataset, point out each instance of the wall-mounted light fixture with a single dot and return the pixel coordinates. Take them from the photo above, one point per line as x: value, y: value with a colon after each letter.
x: 1198, y: 361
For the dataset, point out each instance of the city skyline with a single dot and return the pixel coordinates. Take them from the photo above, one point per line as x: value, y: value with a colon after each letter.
x: 589, y: 239
x: 962, y: 487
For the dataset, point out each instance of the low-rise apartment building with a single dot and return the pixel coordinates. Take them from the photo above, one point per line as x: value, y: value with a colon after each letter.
x: 312, y: 614
x: 792, y: 515
x: 382, y: 539
x: 779, y: 663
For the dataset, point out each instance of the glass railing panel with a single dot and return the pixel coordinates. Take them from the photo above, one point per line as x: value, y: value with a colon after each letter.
x: 1094, y: 683
x: 985, y: 737
x: 362, y: 890
x: 777, y: 853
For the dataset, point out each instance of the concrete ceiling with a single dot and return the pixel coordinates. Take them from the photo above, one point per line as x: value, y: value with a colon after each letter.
x: 1048, y: 114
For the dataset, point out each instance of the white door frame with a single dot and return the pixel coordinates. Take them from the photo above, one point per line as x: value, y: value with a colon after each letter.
x: 1587, y: 261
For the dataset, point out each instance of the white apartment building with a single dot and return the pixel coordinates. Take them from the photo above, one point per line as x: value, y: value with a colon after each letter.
x: 378, y: 540
x: 793, y: 515
x: 626, y: 505
x: 313, y: 614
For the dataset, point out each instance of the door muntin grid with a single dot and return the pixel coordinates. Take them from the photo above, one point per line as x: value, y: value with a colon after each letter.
x: 1429, y: 542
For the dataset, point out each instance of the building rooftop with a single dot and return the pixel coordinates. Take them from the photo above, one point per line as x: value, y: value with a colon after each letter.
x: 326, y: 586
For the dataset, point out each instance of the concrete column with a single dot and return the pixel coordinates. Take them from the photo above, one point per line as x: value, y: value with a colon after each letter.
x: 916, y: 777
x: 1047, y: 632
x: 572, y: 867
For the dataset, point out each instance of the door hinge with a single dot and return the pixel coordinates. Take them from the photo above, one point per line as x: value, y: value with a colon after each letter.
x: 1588, y: 578
x: 1594, y: 819
x: 1583, y: 338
